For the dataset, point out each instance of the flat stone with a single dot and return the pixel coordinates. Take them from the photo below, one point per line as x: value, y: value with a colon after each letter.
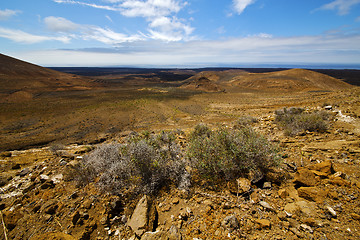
x: 263, y: 223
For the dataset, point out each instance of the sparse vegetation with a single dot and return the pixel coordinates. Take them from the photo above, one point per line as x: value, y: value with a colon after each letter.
x: 227, y: 153
x: 56, y: 148
x: 245, y: 121
x: 296, y: 120
x: 144, y: 164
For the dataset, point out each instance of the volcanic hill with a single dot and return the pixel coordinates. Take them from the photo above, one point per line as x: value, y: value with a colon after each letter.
x: 20, y: 80
x: 293, y: 80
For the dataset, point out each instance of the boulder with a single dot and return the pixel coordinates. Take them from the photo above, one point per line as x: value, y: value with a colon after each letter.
x: 324, y: 167
x: 312, y: 194
x: 240, y: 186
x: 305, y: 177
x: 144, y: 217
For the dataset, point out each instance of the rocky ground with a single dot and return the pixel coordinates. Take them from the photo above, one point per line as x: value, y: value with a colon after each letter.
x: 318, y: 198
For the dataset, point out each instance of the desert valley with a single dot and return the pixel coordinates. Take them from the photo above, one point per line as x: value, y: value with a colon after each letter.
x: 63, y: 131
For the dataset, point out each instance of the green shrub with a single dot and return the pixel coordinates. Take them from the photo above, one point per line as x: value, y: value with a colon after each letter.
x: 296, y: 120
x: 143, y: 164
x: 225, y: 154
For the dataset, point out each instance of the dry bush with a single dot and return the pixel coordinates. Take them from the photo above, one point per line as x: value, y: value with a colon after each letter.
x: 144, y: 164
x: 56, y: 148
x: 296, y: 120
x: 225, y: 154
x: 245, y: 121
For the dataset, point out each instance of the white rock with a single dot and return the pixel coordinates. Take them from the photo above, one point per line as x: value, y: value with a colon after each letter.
x: 331, y: 211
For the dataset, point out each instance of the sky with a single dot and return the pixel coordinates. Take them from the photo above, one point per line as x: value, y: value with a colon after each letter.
x: 181, y: 33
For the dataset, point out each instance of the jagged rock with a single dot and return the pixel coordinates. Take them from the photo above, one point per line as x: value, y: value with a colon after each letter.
x: 338, y: 181
x: 24, y: 172
x: 307, y: 228
x: 294, y: 223
x: 325, y: 167
x: 50, y: 207
x: 311, y: 222
x: 48, y: 184
x: 301, y: 207
x: 331, y: 211
x: 305, y: 177
x: 175, y: 201
x: 143, y: 217
x: 312, y: 194
x: 87, y: 203
x: 266, y: 206
x: 267, y: 185
x: 240, y: 186
x: 283, y: 193
x: 174, y: 233
x: 282, y: 216
x: 231, y: 223
x: 263, y: 223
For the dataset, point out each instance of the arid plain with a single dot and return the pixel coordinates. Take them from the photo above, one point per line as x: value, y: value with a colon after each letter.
x: 316, y: 197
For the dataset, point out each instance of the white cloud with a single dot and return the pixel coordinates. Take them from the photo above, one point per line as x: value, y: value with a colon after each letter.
x: 88, y: 32
x: 149, y: 8
x: 87, y: 4
x: 108, y: 36
x: 169, y: 29
x: 7, y: 13
x: 341, y: 6
x: 59, y: 24
x: 109, y: 18
x: 336, y: 49
x: 159, y: 14
x: 240, y: 5
x: 23, y: 37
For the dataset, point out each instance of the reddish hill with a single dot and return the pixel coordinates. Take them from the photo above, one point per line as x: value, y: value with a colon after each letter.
x: 211, y: 81
x: 20, y: 80
x: 296, y: 80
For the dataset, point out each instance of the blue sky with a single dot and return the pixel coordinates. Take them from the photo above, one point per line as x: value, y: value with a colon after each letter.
x: 178, y: 33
